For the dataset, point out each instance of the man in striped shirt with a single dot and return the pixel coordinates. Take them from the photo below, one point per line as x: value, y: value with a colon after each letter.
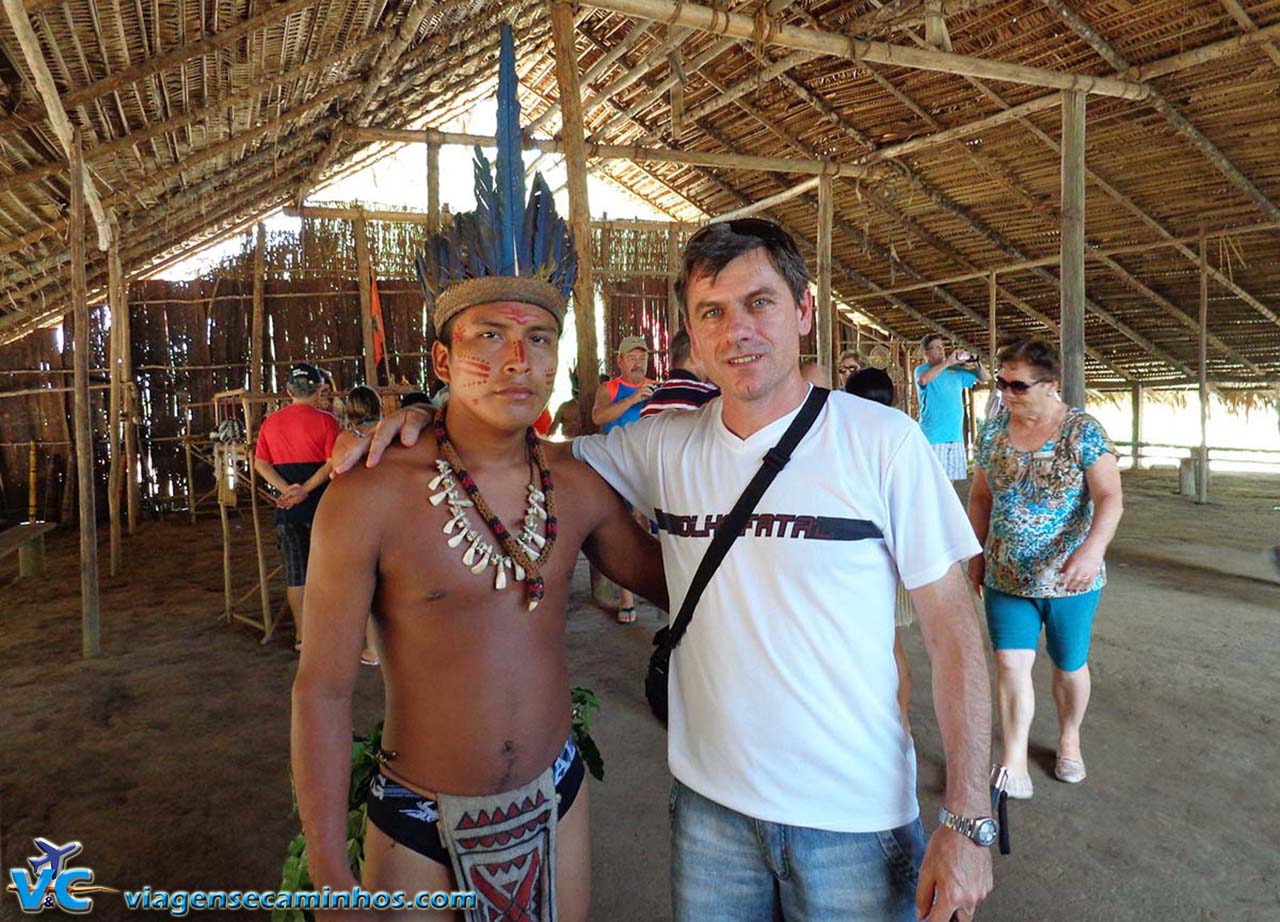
x: 684, y: 388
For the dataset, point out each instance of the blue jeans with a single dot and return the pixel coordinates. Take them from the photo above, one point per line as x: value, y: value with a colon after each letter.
x: 727, y: 867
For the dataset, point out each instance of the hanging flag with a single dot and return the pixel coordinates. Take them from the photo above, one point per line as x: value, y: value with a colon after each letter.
x: 375, y: 321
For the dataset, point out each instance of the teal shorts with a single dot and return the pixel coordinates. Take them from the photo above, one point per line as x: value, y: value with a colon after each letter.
x: 1014, y: 622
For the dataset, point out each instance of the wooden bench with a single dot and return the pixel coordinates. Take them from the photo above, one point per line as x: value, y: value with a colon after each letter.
x: 28, y: 541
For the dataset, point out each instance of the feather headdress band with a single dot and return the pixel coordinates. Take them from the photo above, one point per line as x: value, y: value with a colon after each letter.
x: 508, y: 249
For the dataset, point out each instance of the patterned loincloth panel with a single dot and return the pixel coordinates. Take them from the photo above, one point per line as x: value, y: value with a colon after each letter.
x: 503, y: 847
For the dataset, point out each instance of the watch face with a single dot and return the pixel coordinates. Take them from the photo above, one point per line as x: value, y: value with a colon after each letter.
x: 986, y: 832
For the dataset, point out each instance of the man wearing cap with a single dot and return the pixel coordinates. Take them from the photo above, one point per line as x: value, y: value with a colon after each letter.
x: 619, y: 400
x: 463, y: 545
x: 294, y: 445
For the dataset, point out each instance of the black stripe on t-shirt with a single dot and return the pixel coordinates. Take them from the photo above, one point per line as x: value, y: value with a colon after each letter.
x: 772, y: 525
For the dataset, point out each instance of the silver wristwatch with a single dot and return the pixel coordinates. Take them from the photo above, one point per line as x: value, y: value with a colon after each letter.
x: 981, y: 829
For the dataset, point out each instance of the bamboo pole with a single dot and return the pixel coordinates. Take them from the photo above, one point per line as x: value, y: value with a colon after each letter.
x: 433, y: 189
x: 673, y: 273
x: 114, y: 402
x: 746, y: 28
x: 31, y: 482
x: 633, y: 153
x: 58, y: 121
x: 826, y: 209
x: 769, y: 202
x: 562, y: 35
x: 191, y: 474
x: 226, y: 558
x: 1135, y: 400
x: 257, y: 324
x: 387, y: 58
x: 1202, y: 481
x: 364, y: 277
x: 264, y: 598
x: 89, y: 640
x: 1073, y: 294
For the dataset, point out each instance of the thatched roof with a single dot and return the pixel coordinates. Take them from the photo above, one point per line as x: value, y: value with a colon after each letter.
x: 197, y: 116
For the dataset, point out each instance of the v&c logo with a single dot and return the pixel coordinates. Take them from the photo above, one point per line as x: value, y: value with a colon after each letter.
x: 52, y: 883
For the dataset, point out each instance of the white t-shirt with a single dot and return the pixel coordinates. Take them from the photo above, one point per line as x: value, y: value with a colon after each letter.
x: 783, y: 699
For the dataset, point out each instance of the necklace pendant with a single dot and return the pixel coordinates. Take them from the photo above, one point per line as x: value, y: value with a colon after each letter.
x: 500, y: 581
x: 438, y: 498
x: 536, y: 538
x: 458, y: 538
x: 536, y: 495
x: 519, y: 572
x: 438, y: 478
x: 483, y: 562
x: 533, y: 604
x: 469, y: 557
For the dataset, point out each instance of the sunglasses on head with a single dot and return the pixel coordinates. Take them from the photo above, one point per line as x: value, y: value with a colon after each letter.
x: 1018, y: 387
x: 751, y: 227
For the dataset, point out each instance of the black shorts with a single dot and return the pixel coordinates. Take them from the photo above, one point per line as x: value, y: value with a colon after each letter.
x: 409, y: 819
x: 295, y: 548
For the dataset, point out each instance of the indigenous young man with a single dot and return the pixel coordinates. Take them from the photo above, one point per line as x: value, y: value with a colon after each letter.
x: 941, y: 381
x: 795, y: 781
x: 488, y: 615
x: 293, y: 451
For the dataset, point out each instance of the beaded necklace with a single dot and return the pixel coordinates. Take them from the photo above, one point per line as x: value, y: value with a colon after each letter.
x: 523, y: 554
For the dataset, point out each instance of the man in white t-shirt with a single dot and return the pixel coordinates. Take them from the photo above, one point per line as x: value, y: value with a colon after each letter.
x: 795, y: 782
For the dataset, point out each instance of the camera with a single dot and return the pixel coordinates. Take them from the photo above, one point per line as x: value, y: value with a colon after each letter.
x: 966, y: 358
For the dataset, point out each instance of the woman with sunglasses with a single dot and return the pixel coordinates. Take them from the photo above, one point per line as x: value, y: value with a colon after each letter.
x: 1045, y: 503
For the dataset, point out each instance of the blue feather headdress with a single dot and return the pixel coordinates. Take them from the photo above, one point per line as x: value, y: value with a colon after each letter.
x: 509, y: 248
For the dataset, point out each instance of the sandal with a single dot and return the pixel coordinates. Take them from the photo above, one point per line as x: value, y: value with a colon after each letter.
x: 369, y: 658
x: 627, y: 615
x: 1069, y: 770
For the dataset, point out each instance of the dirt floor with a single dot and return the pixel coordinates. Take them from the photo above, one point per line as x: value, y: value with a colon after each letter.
x: 168, y: 755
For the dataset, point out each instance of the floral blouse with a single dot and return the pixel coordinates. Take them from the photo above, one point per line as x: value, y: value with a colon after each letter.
x: 1041, y: 510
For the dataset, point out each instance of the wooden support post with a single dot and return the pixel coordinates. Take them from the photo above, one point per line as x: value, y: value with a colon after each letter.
x: 132, y: 403
x: 824, y: 309
x: 115, y: 282
x: 364, y: 278
x: 89, y: 641
x: 991, y: 328
x: 673, y: 272
x: 1073, y: 297
x: 264, y: 596
x: 257, y: 325
x: 226, y: 557
x: 191, y: 473
x: 562, y: 34
x: 1135, y: 436
x: 433, y: 188
x: 31, y: 482
x: 1202, y: 476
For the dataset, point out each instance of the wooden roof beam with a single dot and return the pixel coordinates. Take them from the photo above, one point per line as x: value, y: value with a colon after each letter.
x: 630, y: 152
x: 849, y: 273
x: 387, y: 59
x: 179, y: 55
x: 53, y: 105
x: 1193, y: 134
x: 179, y: 122
x: 744, y: 28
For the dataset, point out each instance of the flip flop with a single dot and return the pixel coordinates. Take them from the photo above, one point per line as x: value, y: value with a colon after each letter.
x: 369, y: 659
x: 1019, y: 787
x: 627, y: 615
x: 1069, y: 770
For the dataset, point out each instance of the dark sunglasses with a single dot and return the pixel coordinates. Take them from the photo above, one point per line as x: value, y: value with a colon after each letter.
x: 1018, y: 387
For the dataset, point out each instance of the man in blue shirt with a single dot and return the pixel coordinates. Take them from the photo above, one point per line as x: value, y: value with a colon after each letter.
x: 940, y: 383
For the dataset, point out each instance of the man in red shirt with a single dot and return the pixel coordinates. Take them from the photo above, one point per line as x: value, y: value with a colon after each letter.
x: 294, y: 445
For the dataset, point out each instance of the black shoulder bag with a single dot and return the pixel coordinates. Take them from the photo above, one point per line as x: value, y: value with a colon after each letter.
x: 775, y: 459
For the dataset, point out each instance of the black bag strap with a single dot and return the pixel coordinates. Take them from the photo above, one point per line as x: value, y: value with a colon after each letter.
x: 775, y: 459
